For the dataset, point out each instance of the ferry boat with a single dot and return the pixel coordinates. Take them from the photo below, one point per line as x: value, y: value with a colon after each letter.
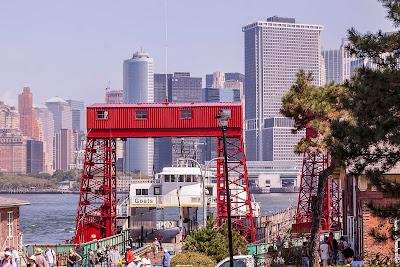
x: 174, y: 202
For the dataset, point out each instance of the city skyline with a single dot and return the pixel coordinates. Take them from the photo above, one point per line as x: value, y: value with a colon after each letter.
x: 44, y: 56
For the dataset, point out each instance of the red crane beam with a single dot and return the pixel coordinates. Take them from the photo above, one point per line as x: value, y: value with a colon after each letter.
x: 96, y: 215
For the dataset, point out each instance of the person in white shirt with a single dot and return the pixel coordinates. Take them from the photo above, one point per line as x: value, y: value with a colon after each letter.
x: 324, y: 252
x: 50, y: 256
x: 145, y: 262
x: 15, y: 256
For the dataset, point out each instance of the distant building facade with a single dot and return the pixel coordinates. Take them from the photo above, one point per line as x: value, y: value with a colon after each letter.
x: 114, y: 96
x: 47, y: 120
x: 332, y: 65
x: 63, y: 150
x: 338, y: 63
x: 12, y: 152
x: 9, y: 117
x: 34, y: 157
x: 275, y: 50
x: 78, y: 115
x: 138, y: 83
x: 28, y: 123
x: 185, y: 88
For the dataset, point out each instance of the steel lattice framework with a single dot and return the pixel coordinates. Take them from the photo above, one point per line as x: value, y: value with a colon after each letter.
x: 313, y: 165
x: 96, y: 215
x: 241, y: 209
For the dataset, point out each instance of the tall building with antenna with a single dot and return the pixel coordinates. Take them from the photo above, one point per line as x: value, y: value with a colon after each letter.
x: 138, y: 83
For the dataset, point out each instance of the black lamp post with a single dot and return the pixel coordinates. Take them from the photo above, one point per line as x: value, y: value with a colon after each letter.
x: 223, y: 120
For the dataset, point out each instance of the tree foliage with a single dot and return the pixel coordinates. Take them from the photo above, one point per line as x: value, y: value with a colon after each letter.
x: 358, y: 122
x: 213, y: 241
x: 192, y: 258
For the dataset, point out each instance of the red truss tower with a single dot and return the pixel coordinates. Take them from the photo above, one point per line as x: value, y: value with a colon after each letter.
x: 313, y: 165
x: 96, y: 215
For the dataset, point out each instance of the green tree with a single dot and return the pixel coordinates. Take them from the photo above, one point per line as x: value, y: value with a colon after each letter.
x: 213, y: 241
x: 358, y: 123
x: 316, y: 108
x: 192, y: 258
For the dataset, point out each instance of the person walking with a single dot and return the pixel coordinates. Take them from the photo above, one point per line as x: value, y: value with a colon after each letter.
x: 90, y: 257
x: 7, y: 261
x: 40, y: 259
x: 324, y: 252
x: 333, y: 247
x: 155, y: 247
x: 343, y: 244
x: 50, y: 256
x: 15, y: 256
x: 115, y: 257
x: 31, y: 261
x: 166, y: 259
x: 146, y: 262
x: 305, y: 254
x: 73, y: 258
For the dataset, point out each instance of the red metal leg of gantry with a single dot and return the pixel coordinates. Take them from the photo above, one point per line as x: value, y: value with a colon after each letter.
x: 312, y: 166
x: 241, y: 208
x: 96, y: 215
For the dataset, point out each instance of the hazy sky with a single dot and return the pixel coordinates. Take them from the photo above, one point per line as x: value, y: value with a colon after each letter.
x: 72, y: 48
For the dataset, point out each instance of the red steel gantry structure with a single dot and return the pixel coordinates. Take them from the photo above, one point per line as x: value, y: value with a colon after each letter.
x: 313, y: 165
x: 96, y: 216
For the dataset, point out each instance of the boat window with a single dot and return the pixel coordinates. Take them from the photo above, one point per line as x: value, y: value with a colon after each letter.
x: 173, y: 178
x: 181, y: 178
x: 167, y: 178
x: 138, y: 192
x: 186, y: 114
x: 157, y: 190
x: 195, y: 179
x: 141, y: 114
x: 188, y: 178
x: 145, y: 192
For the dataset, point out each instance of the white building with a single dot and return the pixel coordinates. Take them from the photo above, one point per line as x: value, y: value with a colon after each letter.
x: 275, y: 51
x: 139, y: 88
x: 47, y: 119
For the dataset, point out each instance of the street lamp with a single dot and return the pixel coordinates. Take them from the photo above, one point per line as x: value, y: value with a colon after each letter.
x: 223, y: 120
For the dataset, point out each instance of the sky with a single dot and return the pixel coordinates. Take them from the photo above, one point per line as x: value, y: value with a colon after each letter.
x: 73, y: 48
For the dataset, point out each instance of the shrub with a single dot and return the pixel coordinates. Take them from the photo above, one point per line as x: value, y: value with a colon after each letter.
x: 192, y: 258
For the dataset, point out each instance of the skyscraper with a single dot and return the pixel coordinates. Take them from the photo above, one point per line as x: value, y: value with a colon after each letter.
x: 332, y: 65
x: 34, y: 156
x: 63, y: 149
x: 47, y: 120
x: 162, y: 146
x: 62, y: 114
x: 275, y: 51
x: 338, y: 63
x: 28, y: 123
x: 78, y: 114
x: 138, y: 83
x: 184, y: 88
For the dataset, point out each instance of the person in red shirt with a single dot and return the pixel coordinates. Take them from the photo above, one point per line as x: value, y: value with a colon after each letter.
x: 129, y: 255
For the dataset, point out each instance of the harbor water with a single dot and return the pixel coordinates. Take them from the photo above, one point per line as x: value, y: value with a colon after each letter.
x: 51, y: 217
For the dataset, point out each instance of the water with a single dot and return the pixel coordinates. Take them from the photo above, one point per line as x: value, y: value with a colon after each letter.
x: 51, y: 217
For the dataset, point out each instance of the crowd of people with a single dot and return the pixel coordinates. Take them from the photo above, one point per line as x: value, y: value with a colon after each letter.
x: 108, y: 257
x: 331, y: 252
